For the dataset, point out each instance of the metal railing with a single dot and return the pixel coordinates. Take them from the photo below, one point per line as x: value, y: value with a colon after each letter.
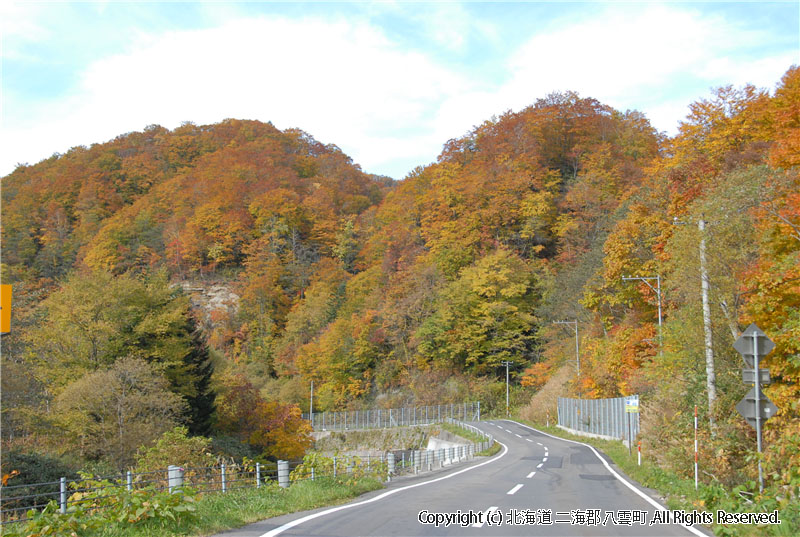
x: 418, y: 460
x: 381, y: 418
x: 604, y: 417
x: 17, y: 500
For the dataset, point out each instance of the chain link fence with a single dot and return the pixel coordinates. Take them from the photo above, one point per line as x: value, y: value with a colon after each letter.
x: 602, y: 417
x: 381, y: 418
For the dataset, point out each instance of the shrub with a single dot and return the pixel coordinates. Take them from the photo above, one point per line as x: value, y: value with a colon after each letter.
x: 175, y: 447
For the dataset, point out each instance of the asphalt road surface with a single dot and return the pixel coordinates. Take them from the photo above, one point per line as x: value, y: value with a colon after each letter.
x: 537, y: 485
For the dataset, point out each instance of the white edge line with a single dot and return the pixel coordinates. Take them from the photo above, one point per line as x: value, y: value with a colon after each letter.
x: 530, y: 475
x: 488, y: 512
x: 647, y: 498
x: 540, y: 465
x: 515, y: 489
x: 297, y: 522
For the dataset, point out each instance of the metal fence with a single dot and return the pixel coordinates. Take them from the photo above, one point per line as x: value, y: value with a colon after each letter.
x: 17, y: 500
x: 605, y: 417
x: 393, y: 417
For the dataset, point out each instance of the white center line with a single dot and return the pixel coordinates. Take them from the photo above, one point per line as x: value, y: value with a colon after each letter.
x: 540, y: 465
x: 544, y: 460
x: 530, y: 475
x: 529, y: 440
x: 515, y: 489
x: 506, y: 430
x: 518, y: 436
x: 486, y: 516
x: 539, y: 443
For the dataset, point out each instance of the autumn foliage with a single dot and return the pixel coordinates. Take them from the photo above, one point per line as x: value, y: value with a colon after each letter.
x: 384, y: 292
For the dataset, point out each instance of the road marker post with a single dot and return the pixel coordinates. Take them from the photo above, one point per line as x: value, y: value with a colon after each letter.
x: 695, y: 447
x: 639, y: 447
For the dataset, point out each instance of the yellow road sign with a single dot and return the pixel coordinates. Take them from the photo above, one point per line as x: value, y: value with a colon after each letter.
x: 5, y: 312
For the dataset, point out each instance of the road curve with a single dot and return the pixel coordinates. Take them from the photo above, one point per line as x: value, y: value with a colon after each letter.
x: 537, y: 485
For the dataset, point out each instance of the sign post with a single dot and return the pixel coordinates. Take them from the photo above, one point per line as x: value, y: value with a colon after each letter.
x: 631, y: 407
x: 756, y: 407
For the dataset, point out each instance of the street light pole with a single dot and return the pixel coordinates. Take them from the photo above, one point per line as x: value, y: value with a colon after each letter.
x: 657, y: 290
x: 507, y: 363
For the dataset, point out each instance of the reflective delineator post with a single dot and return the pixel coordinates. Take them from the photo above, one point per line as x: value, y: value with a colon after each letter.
x: 63, y: 483
x: 390, y: 464
x: 639, y: 447
x: 695, y: 447
x: 258, y: 475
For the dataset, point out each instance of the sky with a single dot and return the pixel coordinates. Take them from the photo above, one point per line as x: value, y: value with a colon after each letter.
x: 389, y: 83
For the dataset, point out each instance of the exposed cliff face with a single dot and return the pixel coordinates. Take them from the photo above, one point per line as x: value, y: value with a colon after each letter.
x: 214, y: 302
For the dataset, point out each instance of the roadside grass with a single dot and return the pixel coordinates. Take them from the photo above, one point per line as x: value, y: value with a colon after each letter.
x: 466, y: 434
x: 491, y: 450
x: 219, y: 512
x: 471, y: 436
x: 678, y: 492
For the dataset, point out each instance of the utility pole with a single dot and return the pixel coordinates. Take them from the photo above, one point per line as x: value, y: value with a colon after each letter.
x: 711, y: 376
x: 577, y: 354
x: 577, y: 349
x: 507, y: 363
x: 657, y: 290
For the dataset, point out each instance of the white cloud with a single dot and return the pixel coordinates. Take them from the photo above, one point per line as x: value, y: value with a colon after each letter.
x: 17, y: 27
x: 649, y: 59
x: 341, y: 81
x: 345, y: 82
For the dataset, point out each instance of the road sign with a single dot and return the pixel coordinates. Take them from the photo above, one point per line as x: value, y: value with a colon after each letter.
x: 747, y: 407
x: 632, y: 405
x: 749, y: 376
x: 5, y: 309
x: 745, y: 344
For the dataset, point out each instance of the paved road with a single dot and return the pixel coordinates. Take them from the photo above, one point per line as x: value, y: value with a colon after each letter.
x: 535, y: 475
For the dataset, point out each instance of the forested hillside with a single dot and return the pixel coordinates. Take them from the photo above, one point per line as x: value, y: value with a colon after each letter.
x: 386, y: 293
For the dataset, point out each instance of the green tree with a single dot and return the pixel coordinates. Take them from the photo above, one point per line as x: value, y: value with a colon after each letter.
x: 109, y: 413
x: 483, y: 317
x: 96, y: 318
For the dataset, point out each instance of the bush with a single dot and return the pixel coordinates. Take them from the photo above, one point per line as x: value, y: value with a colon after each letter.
x: 175, y: 447
x: 105, y: 503
x: 27, y: 468
x: 231, y: 447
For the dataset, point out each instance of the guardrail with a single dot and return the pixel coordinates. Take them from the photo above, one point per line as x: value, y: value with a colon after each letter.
x: 380, y: 418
